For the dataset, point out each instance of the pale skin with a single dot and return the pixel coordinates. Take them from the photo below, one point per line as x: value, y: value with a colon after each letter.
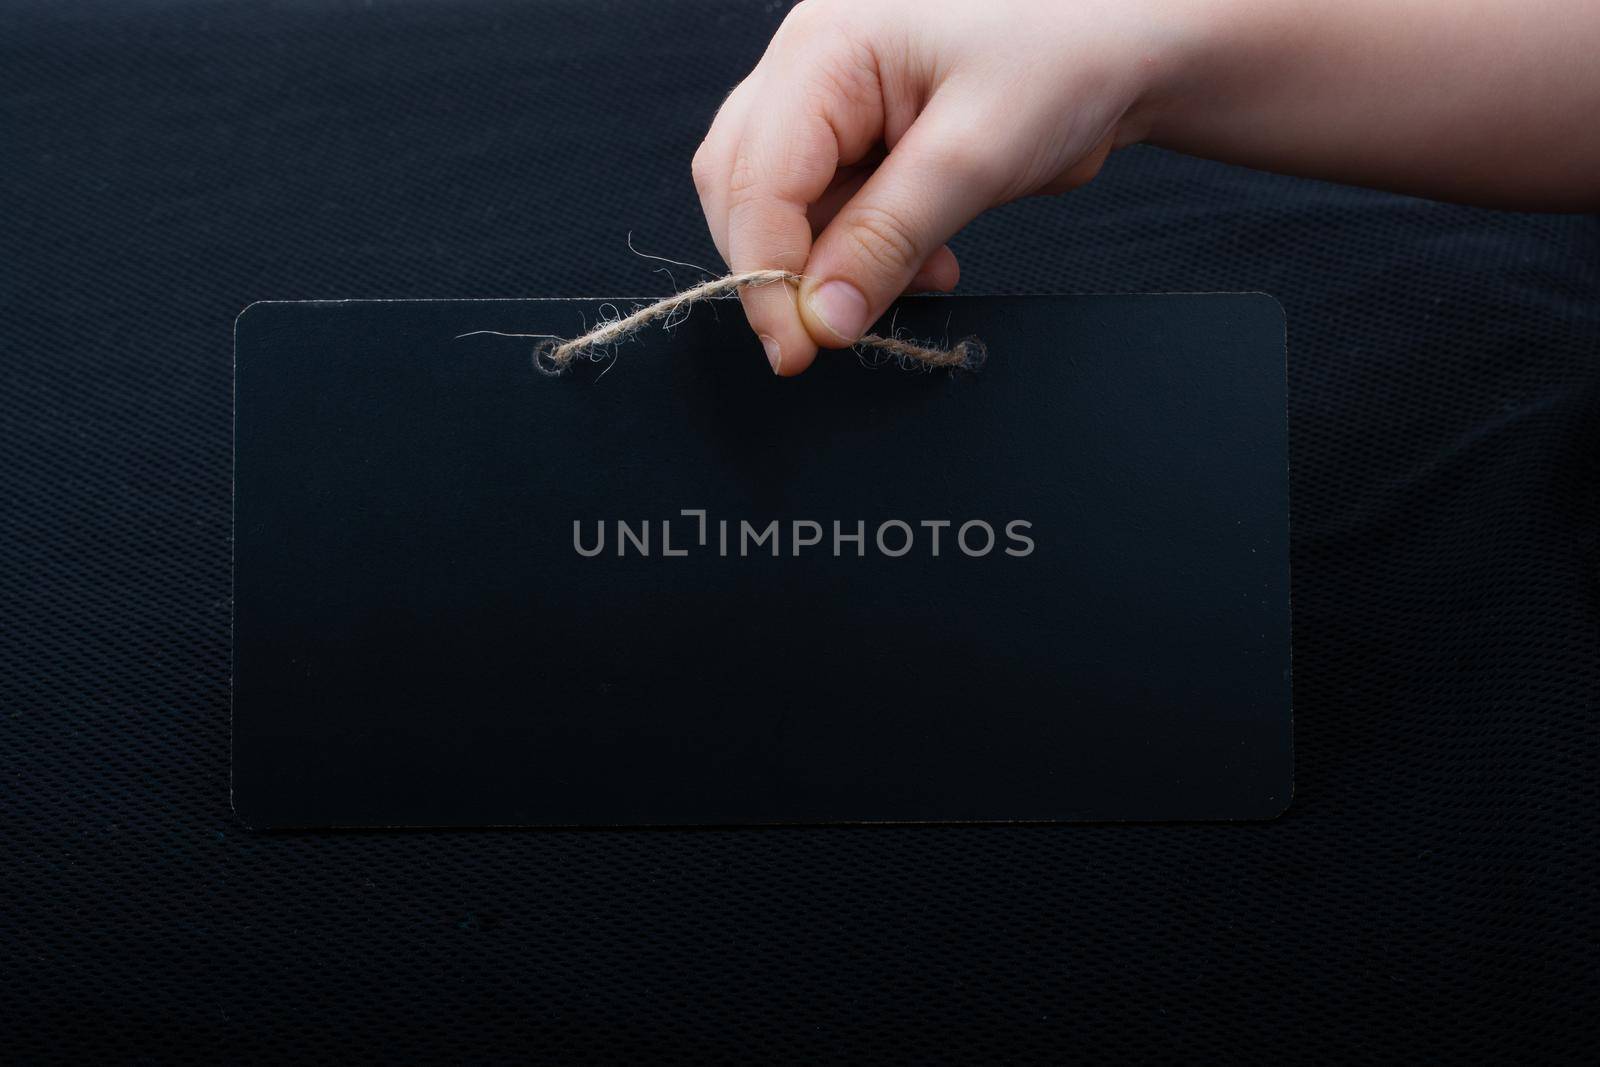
x: 872, y: 131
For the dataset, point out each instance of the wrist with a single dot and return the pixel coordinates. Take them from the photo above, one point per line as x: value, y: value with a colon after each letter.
x: 1176, y: 42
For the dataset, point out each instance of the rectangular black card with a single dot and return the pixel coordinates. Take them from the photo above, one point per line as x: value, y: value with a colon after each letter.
x: 675, y: 589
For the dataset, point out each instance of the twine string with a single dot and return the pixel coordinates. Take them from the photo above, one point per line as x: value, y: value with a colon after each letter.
x: 553, y: 355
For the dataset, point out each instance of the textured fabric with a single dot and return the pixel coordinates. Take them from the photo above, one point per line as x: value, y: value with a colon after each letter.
x: 1429, y: 893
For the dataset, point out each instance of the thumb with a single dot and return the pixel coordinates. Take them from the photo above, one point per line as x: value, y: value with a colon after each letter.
x: 933, y: 182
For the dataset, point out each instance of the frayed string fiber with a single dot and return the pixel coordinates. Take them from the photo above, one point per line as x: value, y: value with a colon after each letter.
x: 553, y: 355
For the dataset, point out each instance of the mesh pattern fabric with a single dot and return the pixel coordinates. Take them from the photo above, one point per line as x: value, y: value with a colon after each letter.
x: 1429, y: 893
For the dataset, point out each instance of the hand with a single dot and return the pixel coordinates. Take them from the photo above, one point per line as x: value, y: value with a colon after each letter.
x: 871, y: 132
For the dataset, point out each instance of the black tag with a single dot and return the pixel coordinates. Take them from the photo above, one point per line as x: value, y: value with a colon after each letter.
x: 674, y: 589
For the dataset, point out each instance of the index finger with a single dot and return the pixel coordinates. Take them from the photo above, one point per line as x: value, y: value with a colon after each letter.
x: 784, y: 160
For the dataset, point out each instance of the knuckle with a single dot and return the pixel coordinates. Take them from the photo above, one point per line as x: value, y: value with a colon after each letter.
x: 805, y: 18
x: 700, y: 168
x: 845, y: 77
x: 819, y: 22
x: 745, y: 177
x: 883, y: 241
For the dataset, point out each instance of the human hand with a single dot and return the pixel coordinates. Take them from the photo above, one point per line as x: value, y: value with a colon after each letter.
x: 870, y: 133
x: 872, y: 130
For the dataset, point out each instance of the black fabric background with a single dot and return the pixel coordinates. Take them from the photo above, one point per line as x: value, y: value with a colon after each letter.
x: 162, y: 164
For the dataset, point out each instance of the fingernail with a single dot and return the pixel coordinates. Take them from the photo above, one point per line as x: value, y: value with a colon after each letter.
x: 842, y: 309
x: 774, y: 353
